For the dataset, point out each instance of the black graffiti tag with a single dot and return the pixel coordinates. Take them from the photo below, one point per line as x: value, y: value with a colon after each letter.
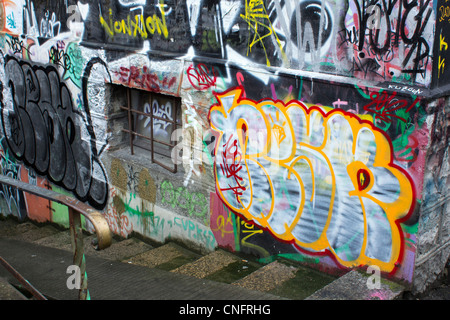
x: 44, y: 131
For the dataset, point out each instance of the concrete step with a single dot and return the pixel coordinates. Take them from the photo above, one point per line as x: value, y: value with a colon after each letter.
x: 279, y: 278
x: 219, y: 266
x: 171, y: 262
x: 165, y: 257
x: 207, y: 265
x: 9, y: 292
x: 353, y: 286
x: 46, y: 268
x: 268, y: 277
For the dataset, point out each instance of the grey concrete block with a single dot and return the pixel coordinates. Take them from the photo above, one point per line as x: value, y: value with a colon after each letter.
x: 354, y: 286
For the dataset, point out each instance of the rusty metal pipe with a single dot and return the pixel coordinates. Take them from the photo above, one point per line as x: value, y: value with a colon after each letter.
x: 76, y: 209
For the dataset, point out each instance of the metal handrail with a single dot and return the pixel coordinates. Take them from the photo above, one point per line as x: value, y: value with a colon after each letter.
x: 76, y: 210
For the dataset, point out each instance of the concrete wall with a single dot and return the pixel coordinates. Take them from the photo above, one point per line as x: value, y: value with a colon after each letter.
x: 313, y: 130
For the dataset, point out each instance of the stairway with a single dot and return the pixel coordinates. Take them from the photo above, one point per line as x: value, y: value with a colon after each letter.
x: 279, y: 279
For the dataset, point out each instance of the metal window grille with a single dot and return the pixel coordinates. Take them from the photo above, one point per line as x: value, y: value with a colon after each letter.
x: 152, y: 119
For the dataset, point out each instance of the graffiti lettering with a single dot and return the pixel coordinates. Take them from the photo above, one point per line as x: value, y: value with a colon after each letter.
x: 16, y: 45
x: 200, y: 77
x: 259, y: 23
x: 385, y: 106
x: 301, y: 186
x: 379, y: 43
x: 194, y: 202
x: 41, y: 129
x: 443, y: 45
x: 144, y: 79
x: 139, y: 26
x: 231, y: 166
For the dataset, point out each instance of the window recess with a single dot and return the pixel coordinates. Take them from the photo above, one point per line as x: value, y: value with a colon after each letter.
x: 153, y: 119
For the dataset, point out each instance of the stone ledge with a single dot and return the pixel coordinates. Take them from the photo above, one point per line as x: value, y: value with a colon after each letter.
x: 353, y: 286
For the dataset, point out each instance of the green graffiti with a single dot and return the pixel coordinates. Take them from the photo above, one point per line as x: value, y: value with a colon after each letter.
x: 290, y: 256
x: 194, y: 202
x: 73, y: 61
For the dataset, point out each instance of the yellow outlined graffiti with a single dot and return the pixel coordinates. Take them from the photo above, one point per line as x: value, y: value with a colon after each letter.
x: 322, y: 180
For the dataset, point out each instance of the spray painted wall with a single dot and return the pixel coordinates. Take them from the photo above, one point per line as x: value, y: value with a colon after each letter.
x: 313, y: 130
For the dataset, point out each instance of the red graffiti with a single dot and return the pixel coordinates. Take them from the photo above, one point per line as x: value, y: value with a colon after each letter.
x: 385, y: 106
x: 231, y: 157
x: 363, y: 179
x: 142, y: 78
x: 200, y: 77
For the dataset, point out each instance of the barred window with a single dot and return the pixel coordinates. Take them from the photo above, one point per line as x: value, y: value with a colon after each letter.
x: 152, y: 121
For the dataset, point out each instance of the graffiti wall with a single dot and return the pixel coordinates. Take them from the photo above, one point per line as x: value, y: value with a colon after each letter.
x: 304, y: 129
x: 374, y: 40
